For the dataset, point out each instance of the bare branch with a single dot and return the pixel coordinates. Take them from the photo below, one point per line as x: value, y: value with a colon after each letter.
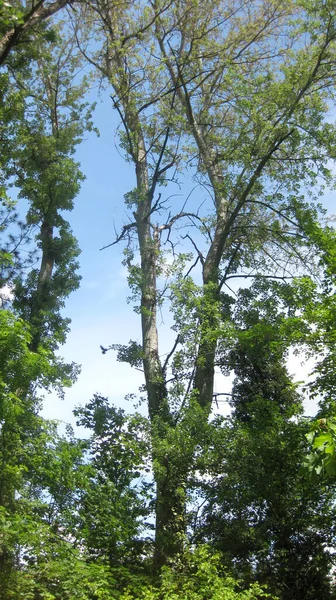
x: 170, y: 354
x: 260, y: 276
x: 121, y: 236
x: 181, y: 215
x: 200, y: 255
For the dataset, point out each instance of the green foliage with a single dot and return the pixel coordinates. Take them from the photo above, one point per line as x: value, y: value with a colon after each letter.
x: 42, y: 478
x: 49, y: 178
x: 268, y: 518
x: 11, y: 15
x: 115, y: 505
x: 132, y: 353
x: 197, y: 576
x: 320, y: 314
x: 63, y: 575
x: 13, y: 230
x: 29, y: 452
x: 322, y: 456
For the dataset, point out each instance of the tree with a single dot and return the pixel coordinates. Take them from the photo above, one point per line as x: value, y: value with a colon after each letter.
x: 24, y: 435
x: 250, y: 136
x: 49, y: 178
x: 43, y: 123
x: 214, y: 87
x: 271, y: 521
x: 115, y: 506
x: 54, y: 488
x: 147, y: 144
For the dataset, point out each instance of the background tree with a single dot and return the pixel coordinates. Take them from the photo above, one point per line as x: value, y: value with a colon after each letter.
x: 49, y: 178
x: 270, y: 520
x: 42, y: 123
x: 115, y: 507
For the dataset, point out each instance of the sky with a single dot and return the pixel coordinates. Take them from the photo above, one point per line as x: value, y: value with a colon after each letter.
x: 99, y: 310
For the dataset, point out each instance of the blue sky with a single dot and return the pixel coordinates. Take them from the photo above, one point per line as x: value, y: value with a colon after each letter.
x: 98, y: 310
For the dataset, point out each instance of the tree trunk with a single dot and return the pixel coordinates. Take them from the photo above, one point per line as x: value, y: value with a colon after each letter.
x: 42, y: 293
x: 170, y: 499
x: 170, y: 525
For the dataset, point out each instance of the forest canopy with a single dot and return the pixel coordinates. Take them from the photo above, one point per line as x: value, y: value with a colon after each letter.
x: 232, y: 104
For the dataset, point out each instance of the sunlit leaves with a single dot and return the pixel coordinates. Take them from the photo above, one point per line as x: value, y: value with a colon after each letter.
x: 322, y: 456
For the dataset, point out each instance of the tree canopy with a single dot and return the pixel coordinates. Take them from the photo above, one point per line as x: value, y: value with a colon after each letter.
x: 234, y: 99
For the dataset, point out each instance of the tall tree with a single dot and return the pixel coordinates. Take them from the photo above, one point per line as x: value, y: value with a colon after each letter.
x: 47, y: 175
x: 243, y: 91
x: 124, y: 31
x: 43, y: 124
x: 254, y: 106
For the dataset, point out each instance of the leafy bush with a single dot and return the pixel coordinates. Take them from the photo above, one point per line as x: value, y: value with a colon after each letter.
x: 198, y: 576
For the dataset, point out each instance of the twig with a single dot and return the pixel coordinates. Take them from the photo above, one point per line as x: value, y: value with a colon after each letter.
x: 200, y: 255
x: 121, y: 236
x: 170, y: 354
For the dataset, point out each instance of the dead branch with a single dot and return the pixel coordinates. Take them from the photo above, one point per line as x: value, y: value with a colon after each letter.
x: 200, y: 255
x: 170, y: 354
x: 121, y: 236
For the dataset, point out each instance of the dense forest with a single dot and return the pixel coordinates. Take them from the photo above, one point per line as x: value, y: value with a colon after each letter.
x: 235, y: 98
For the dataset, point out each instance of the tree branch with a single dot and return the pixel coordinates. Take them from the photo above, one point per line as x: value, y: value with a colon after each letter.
x: 38, y: 13
x: 121, y: 236
x: 200, y: 255
x: 170, y: 354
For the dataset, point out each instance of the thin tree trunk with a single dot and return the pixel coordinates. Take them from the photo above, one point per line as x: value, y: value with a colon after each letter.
x: 42, y: 293
x: 170, y: 505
